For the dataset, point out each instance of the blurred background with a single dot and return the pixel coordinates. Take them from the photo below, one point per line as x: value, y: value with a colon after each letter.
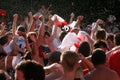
x: 90, y: 9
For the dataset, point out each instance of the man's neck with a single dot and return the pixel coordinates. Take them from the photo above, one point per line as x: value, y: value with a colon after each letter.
x: 101, y: 66
x: 69, y: 75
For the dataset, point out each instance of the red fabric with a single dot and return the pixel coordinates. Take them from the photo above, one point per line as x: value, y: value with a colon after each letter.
x: 59, y: 24
x: 62, y: 23
x: 2, y: 12
x: 79, y: 38
x: 77, y: 44
x: 114, y: 61
x: 65, y: 23
x: 41, y: 52
x: 85, y: 71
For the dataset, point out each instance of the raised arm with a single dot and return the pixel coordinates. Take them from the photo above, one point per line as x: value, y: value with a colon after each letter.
x: 95, y: 27
x: 89, y: 64
x: 14, y: 25
x: 54, y: 30
x: 49, y: 23
x: 41, y: 31
x: 33, y: 19
x: 79, y: 19
x: 26, y: 22
x: 2, y: 28
x: 71, y: 17
x: 42, y: 25
x: 31, y: 22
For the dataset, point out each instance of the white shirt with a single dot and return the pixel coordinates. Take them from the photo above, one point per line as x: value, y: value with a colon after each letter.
x: 21, y: 42
x: 7, y: 48
x: 56, y: 43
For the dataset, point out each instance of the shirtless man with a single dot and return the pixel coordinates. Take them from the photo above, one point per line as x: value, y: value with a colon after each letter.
x: 69, y: 61
x: 101, y: 71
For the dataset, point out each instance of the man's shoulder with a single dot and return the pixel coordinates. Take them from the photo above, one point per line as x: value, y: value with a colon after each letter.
x: 104, y: 75
x: 114, y: 52
x: 113, y: 75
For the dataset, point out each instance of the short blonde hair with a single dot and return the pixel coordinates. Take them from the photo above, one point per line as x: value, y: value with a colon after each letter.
x: 69, y: 59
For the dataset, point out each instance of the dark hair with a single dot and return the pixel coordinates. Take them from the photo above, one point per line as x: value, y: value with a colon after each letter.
x: 101, y: 34
x: 99, y: 44
x: 54, y: 56
x: 62, y: 35
x: 2, y: 54
x: 31, y: 70
x: 46, y: 34
x: 27, y: 56
x: 46, y: 27
x: 110, y: 36
x: 3, y: 40
x: 29, y: 34
x: 117, y: 39
x: 21, y: 28
x: 98, y: 57
x: 84, y: 48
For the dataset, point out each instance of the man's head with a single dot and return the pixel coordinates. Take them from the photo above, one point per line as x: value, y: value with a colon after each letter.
x: 32, y: 36
x: 100, y: 44
x: 117, y: 39
x: 46, y: 37
x: 101, y: 34
x: 69, y: 60
x: 29, y: 70
x: 84, y: 48
x: 98, y: 57
x: 54, y: 57
x: 110, y: 40
x: 21, y: 30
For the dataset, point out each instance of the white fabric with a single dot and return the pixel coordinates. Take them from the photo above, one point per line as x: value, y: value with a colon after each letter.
x: 60, y: 19
x: 82, y: 35
x: 21, y: 42
x: 7, y: 48
x: 73, y: 48
x: 16, y: 60
x: 72, y: 25
x: 68, y: 41
x: 56, y: 43
x: 57, y: 32
x: 95, y: 27
x: 111, y: 18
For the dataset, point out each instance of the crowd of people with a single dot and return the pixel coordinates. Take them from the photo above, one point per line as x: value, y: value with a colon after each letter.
x: 36, y: 49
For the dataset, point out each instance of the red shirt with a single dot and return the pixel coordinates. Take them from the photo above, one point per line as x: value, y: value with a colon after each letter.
x: 114, y: 61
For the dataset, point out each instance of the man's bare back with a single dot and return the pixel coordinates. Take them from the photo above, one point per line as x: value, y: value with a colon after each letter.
x: 102, y: 73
